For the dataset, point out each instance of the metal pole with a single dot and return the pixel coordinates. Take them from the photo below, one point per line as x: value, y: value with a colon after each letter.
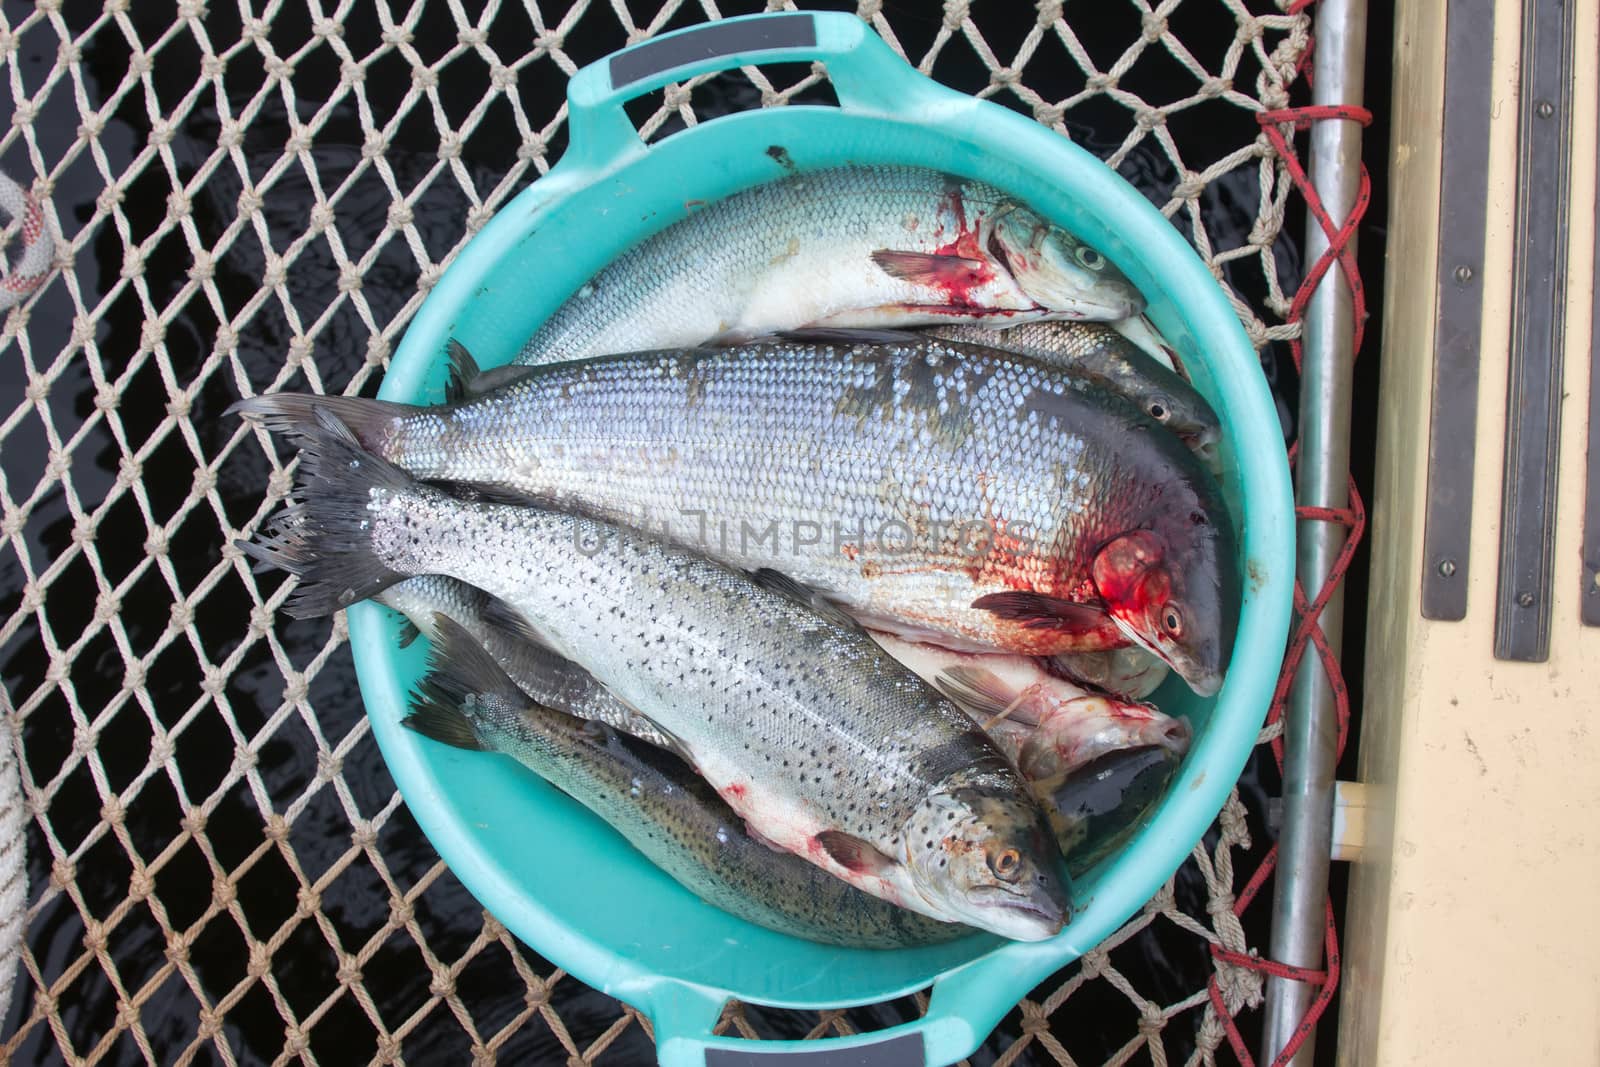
x: 1310, y: 725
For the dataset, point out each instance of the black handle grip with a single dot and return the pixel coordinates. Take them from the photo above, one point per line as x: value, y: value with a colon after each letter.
x: 709, y: 41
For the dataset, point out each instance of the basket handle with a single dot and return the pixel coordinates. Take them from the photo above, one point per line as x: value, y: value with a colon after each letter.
x: 867, y: 75
x: 965, y: 1005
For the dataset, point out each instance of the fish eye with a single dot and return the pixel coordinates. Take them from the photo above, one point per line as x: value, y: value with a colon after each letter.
x: 1172, y: 619
x: 1006, y: 864
x: 1159, y: 408
x: 1090, y: 258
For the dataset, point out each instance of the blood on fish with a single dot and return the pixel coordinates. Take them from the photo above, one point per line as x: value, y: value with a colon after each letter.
x: 735, y: 791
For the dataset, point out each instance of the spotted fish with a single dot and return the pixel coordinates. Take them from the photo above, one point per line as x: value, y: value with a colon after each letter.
x: 654, y: 799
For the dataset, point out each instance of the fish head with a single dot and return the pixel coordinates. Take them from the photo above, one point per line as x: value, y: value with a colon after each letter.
x: 1175, y: 593
x: 1183, y: 411
x: 1059, y: 272
x: 1083, y: 729
x: 982, y: 855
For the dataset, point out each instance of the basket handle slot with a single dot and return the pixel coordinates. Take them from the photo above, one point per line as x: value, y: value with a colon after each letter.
x: 866, y: 74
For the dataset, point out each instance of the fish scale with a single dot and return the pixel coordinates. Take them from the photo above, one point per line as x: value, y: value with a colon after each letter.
x: 799, y: 251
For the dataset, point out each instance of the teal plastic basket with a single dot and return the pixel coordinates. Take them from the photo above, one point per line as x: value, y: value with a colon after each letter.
x: 555, y: 875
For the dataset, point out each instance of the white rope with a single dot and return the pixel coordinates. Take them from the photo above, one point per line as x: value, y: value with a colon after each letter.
x: 150, y: 291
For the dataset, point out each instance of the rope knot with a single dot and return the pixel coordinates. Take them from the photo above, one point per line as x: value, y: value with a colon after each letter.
x: 62, y: 873
x: 443, y: 985
x: 204, y: 267
x: 349, y: 972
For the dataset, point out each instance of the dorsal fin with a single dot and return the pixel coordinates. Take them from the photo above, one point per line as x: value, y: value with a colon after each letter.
x: 781, y: 583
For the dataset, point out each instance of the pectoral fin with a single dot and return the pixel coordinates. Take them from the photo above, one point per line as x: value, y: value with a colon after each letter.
x: 854, y: 854
x: 925, y: 268
x: 1036, y: 611
x: 977, y: 689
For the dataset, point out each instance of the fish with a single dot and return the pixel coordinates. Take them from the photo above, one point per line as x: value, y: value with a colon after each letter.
x: 1130, y: 672
x: 1047, y: 726
x: 1097, y: 807
x: 847, y: 246
x: 941, y: 491
x: 1099, y: 350
x: 1140, y: 331
x: 653, y: 799
x: 826, y: 746
x: 508, y: 637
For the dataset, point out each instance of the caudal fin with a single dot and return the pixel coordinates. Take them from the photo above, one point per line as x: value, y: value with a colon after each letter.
x: 296, y: 414
x: 326, y: 539
x: 462, y: 682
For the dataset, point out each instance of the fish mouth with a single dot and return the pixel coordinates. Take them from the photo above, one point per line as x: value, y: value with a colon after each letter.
x: 1023, y: 922
x: 1037, y: 917
x: 1206, y: 684
x: 1088, y: 309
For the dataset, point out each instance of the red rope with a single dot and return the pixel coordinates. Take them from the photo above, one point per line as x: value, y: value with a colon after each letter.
x: 1307, y: 632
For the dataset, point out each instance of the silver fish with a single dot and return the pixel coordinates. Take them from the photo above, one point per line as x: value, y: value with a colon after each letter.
x: 826, y: 746
x: 654, y: 799
x: 851, y: 246
x: 1048, y: 726
x: 1131, y: 673
x: 1098, y: 350
x: 938, y: 490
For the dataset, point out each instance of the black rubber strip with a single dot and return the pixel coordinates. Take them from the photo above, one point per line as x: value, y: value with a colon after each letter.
x: 1538, y: 318
x: 1458, y: 329
x: 711, y: 40
x: 903, y: 1051
x: 1589, y: 595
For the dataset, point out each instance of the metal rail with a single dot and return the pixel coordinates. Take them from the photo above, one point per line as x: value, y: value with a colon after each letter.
x: 1310, y: 725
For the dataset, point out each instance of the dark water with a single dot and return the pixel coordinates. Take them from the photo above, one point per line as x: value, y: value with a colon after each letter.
x: 1164, y: 963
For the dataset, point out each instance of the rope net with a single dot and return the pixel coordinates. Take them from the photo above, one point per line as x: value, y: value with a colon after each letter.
x: 258, y: 195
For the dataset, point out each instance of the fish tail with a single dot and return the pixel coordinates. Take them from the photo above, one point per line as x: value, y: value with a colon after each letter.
x: 296, y: 415
x: 326, y: 539
x: 463, y: 680
x: 444, y: 723
x: 460, y: 668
